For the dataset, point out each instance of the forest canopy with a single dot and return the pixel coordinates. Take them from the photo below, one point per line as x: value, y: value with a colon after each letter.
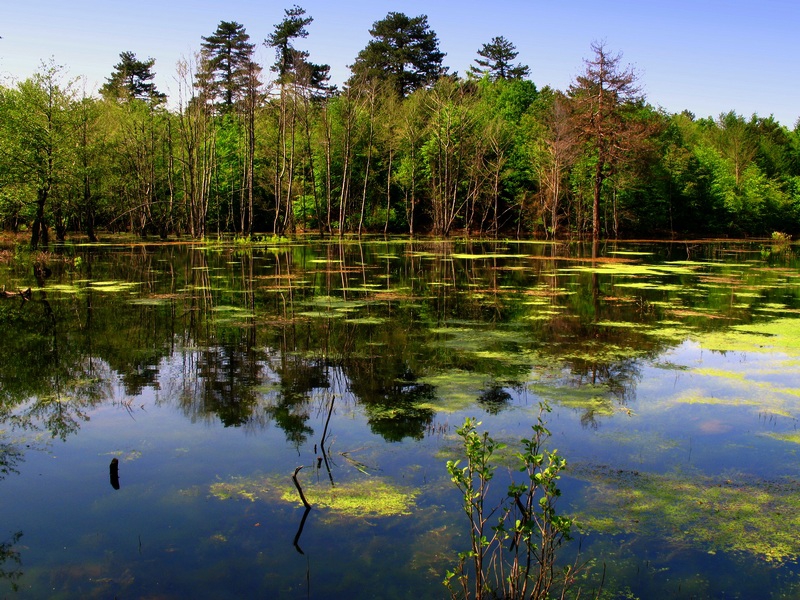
x: 405, y: 146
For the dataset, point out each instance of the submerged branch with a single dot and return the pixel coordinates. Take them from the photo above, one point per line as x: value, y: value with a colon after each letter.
x: 300, y: 489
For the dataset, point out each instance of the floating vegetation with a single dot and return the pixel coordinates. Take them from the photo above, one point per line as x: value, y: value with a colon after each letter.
x: 594, y: 399
x: 333, y: 303
x: 632, y: 269
x: 595, y: 352
x: 669, y: 366
x: 736, y: 514
x: 699, y: 398
x: 780, y: 335
x: 128, y: 456
x: 623, y: 325
x: 456, y: 390
x: 649, y: 285
x: 322, y: 314
x: 736, y: 375
x: 62, y: 288
x: 793, y: 437
x: 149, y: 301
x: 367, y: 321
x: 368, y: 497
x: 487, y: 256
x: 229, y: 314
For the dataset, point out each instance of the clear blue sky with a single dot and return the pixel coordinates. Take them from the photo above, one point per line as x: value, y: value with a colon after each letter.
x: 707, y: 56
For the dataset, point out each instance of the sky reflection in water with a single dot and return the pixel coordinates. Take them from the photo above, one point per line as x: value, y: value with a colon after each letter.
x: 211, y: 372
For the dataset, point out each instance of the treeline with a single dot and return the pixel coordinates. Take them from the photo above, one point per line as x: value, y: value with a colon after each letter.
x: 404, y: 146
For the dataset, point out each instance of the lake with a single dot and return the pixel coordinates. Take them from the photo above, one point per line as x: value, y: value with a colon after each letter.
x: 209, y: 372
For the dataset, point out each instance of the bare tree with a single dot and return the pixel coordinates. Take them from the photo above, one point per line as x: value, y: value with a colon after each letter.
x: 197, y: 148
x: 601, y: 96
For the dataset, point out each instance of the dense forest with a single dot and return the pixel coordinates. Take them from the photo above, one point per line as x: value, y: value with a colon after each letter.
x: 404, y: 146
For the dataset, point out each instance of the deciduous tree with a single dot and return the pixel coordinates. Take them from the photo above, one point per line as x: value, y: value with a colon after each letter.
x: 602, y: 97
x: 37, y: 129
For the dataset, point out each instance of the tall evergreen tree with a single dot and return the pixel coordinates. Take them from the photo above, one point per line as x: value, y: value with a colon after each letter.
x: 496, y: 61
x: 293, y: 26
x: 228, y: 67
x: 132, y: 78
x: 404, y: 52
x: 292, y: 64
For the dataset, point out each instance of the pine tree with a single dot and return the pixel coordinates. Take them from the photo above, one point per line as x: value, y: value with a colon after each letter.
x: 404, y: 52
x: 497, y: 61
x: 291, y: 64
x: 132, y: 78
x: 227, y: 69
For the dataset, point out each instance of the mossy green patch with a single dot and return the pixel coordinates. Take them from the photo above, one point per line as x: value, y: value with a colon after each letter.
x: 333, y: 303
x: 322, y: 314
x: 150, y: 301
x: 595, y: 351
x: 628, y: 269
x: 456, y: 389
x: 623, y: 325
x: 61, y: 288
x: 780, y: 335
x: 367, y: 497
x: 793, y: 437
x: 699, y: 398
x: 367, y: 321
x: 593, y: 398
x: 752, y: 517
x: 487, y: 256
x: 735, y: 375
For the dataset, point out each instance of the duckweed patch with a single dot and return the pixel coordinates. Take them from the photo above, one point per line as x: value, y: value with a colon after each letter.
x: 456, y: 390
x: 780, y: 335
x: 367, y: 321
x: 699, y: 398
x: 749, y: 516
x: 110, y: 287
x: 369, y: 497
x: 592, y: 398
x: 792, y: 437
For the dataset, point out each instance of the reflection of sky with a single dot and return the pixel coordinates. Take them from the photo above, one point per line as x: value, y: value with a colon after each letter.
x: 163, y: 525
x: 692, y: 410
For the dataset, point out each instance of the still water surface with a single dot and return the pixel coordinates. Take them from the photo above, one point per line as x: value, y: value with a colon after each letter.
x: 211, y: 372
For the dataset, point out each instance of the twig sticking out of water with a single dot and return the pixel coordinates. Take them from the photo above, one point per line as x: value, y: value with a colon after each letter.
x: 299, y: 489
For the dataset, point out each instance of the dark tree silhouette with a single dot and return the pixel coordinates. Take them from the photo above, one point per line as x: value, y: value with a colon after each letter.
x: 132, y: 78
x: 404, y: 52
x: 497, y: 61
x: 227, y: 68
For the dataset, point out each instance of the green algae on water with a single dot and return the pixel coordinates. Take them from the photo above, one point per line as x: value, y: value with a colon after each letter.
x: 735, y: 514
x: 368, y: 497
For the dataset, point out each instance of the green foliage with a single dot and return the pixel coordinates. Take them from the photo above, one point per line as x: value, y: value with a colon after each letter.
x: 404, y: 52
x: 496, y: 61
x: 405, y: 147
x: 513, y: 544
x: 227, y: 70
x: 132, y: 79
